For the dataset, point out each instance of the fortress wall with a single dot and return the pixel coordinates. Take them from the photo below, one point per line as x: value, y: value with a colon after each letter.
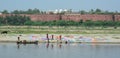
x: 74, y: 17
x: 117, y: 17
x: 44, y: 17
x: 93, y: 17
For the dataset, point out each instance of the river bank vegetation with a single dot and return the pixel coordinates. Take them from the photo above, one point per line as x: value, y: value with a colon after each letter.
x: 23, y: 24
x: 17, y: 20
x: 59, y: 30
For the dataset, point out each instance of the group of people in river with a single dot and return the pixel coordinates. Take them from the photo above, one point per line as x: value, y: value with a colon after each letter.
x: 62, y: 38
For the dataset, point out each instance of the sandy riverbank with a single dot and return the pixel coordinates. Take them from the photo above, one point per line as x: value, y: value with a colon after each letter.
x: 76, y: 38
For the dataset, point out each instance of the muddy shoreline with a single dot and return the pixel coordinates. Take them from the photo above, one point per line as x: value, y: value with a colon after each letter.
x: 86, y: 38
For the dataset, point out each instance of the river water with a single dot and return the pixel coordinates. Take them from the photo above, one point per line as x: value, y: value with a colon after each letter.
x: 54, y: 50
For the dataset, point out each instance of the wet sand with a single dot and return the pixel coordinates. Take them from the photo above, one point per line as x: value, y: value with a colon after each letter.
x: 99, y: 38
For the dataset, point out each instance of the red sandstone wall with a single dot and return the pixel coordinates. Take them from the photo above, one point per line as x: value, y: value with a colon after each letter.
x: 93, y: 17
x: 44, y: 17
x: 74, y: 17
x: 117, y: 17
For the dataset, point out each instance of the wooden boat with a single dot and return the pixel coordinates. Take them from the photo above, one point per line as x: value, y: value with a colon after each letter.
x: 27, y: 42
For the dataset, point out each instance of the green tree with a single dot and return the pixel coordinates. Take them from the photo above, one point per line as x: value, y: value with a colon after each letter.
x: 5, y: 12
x: 82, y: 12
x: 91, y: 11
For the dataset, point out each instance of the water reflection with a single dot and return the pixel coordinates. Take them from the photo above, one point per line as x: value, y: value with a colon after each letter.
x: 18, y: 46
x: 47, y: 45
x: 51, y: 45
x: 60, y: 45
x: 59, y: 50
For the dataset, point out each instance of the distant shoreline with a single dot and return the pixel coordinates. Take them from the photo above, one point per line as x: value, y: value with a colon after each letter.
x: 67, y: 43
x: 76, y: 38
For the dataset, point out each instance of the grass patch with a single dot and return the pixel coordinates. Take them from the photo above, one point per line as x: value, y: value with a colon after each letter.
x: 58, y: 30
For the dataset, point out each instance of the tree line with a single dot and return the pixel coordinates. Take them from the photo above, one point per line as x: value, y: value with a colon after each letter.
x: 24, y: 20
x: 14, y: 20
x: 37, y: 11
x: 87, y: 23
x: 29, y: 11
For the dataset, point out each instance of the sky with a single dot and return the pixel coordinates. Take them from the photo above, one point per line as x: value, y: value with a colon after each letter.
x: 45, y: 5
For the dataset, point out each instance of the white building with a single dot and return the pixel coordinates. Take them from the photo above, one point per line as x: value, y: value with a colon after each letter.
x: 57, y: 11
